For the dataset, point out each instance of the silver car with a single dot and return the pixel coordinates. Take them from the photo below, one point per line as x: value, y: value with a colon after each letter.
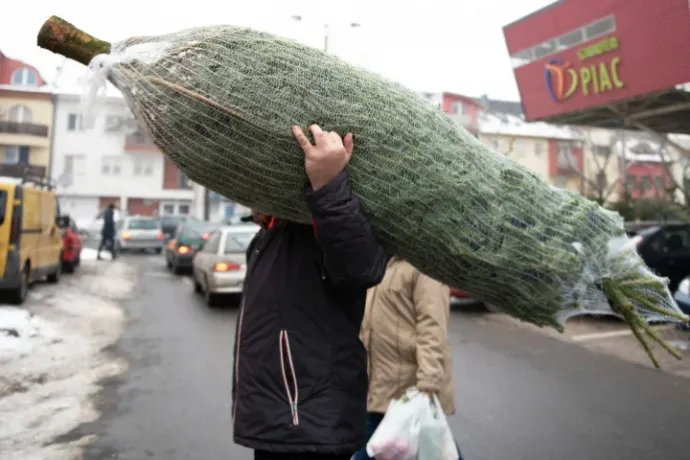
x: 219, y: 267
x: 137, y: 233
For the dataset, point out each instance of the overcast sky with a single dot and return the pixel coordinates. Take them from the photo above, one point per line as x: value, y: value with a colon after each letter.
x: 428, y: 45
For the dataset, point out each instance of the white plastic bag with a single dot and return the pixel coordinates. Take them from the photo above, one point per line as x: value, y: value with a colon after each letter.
x: 435, y: 437
x: 397, y: 436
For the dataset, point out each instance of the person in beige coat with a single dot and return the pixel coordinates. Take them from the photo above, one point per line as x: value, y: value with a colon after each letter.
x: 405, y: 332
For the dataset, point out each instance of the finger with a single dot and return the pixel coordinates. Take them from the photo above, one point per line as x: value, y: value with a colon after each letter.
x: 302, y: 139
x: 319, y: 135
x: 349, y: 143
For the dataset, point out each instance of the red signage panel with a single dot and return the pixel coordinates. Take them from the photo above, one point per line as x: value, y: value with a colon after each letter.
x: 577, y: 54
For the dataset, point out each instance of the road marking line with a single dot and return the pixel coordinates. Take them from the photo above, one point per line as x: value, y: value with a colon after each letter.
x: 187, y: 281
x: 610, y: 334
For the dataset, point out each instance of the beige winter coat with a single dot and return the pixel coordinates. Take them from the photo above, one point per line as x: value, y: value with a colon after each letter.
x: 405, y: 332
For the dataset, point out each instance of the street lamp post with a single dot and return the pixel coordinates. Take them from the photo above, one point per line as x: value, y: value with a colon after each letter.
x: 326, y: 30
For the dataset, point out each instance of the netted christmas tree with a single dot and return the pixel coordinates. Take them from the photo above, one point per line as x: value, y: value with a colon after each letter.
x: 221, y: 101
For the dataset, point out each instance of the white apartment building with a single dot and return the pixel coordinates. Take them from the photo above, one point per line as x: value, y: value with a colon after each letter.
x: 113, y: 161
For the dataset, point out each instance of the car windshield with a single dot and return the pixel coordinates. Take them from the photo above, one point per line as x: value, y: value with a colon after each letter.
x: 196, y: 230
x: 238, y: 242
x: 171, y: 220
x: 142, y: 224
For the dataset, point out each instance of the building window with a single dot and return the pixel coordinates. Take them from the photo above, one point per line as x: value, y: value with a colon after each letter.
x: 11, y: 155
x: 566, y: 159
x: 602, y: 150
x: 143, y: 167
x: 630, y: 182
x: 183, y: 209
x: 111, y: 166
x: 25, y: 77
x: 601, y: 181
x: 600, y: 27
x: 21, y: 114
x: 645, y: 184
x: 75, y: 165
x: 519, y: 146
x: 659, y: 184
x: 538, y: 149
x: 113, y: 123
x: 184, y: 181
x: 458, y: 108
x: 73, y: 122
x: 168, y: 209
x: 571, y: 39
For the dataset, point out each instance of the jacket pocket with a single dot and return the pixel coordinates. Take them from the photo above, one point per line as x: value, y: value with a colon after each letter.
x: 287, y: 367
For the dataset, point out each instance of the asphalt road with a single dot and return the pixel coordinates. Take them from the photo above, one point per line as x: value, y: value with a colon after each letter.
x: 519, y: 394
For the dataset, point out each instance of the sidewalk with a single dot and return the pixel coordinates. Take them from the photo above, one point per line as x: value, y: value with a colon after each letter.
x: 53, y: 353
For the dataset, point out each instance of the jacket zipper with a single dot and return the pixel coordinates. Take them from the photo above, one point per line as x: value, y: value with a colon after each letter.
x: 239, y: 335
x: 237, y: 361
x: 285, y: 361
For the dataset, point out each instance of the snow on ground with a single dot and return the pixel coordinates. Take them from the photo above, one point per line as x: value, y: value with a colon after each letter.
x: 53, y: 353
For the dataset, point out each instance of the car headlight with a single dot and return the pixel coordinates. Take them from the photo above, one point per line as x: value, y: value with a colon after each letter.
x: 684, y: 287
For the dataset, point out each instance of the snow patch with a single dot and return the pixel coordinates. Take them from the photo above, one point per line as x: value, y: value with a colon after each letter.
x: 52, y: 366
x: 92, y: 254
x: 21, y: 332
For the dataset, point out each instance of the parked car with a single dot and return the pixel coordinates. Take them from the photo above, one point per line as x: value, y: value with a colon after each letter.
x: 30, y: 239
x: 666, y: 250
x: 139, y: 233
x: 188, y: 239
x: 71, y: 244
x: 459, y: 297
x: 169, y: 225
x: 682, y: 297
x: 219, y: 267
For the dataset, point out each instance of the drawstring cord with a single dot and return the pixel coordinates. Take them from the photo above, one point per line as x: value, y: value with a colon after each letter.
x: 284, y: 344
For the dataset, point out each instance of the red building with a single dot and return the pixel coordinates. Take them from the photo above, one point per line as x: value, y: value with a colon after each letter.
x: 18, y: 73
x: 647, y: 179
x: 606, y: 63
x: 464, y: 110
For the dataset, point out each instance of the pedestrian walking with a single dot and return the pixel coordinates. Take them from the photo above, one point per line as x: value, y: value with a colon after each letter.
x: 300, y: 377
x: 405, y: 332
x: 108, y: 232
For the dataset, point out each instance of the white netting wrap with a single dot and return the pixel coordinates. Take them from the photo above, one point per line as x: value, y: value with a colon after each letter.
x: 220, y: 101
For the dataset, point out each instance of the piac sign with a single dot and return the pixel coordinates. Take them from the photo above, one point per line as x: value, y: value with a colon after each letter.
x: 564, y: 80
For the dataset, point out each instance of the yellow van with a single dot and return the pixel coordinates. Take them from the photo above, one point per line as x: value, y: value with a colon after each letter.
x: 30, y: 237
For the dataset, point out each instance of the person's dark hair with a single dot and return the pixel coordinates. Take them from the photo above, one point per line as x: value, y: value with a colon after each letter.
x: 111, y: 206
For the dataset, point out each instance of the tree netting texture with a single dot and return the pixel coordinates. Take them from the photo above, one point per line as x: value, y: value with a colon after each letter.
x: 221, y: 101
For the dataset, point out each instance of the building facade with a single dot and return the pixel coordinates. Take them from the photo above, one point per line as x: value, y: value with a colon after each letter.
x: 112, y: 161
x: 555, y: 154
x: 26, y: 115
x: 462, y: 109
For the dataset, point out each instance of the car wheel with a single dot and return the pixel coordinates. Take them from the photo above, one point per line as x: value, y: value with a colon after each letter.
x: 68, y: 267
x: 55, y: 276
x: 210, y: 298
x: 175, y: 269
x: 197, y: 286
x: 18, y: 294
x: 159, y: 250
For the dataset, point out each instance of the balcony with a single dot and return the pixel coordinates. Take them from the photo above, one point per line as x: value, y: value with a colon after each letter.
x: 20, y: 170
x: 140, y: 141
x: 20, y: 133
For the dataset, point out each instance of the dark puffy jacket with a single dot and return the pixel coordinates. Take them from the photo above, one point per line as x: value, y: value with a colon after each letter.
x: 108, y: 230
x: 300, y: 381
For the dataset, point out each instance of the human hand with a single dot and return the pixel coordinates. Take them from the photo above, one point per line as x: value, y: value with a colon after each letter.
x: 327, y: 158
